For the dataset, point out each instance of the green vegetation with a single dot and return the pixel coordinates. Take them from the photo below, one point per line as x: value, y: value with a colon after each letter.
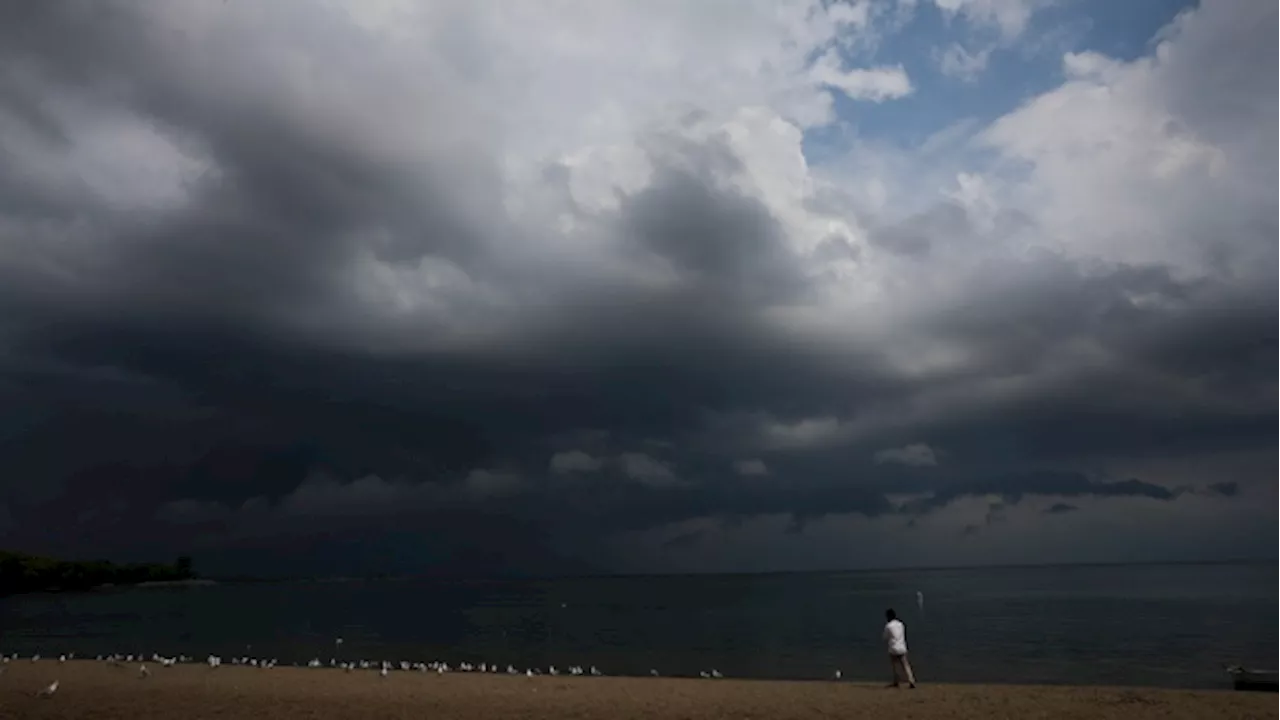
x: 29, y: 573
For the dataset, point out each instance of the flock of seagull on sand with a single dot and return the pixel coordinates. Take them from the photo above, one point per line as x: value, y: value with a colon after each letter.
x: 383, y: 668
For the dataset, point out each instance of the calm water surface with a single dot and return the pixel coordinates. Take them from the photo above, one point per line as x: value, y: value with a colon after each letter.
x: 1167, y: 625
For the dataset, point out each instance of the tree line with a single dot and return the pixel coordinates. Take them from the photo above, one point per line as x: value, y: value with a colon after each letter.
x: 28, y: 573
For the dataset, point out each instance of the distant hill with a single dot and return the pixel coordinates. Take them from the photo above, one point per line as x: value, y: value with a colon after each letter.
x: 30, y: 573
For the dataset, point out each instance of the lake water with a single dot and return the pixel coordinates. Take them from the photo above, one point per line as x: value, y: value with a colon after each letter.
x: 1164, y: 625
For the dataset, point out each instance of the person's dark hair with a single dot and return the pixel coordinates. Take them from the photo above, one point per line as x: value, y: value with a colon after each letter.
x: 890, y: 614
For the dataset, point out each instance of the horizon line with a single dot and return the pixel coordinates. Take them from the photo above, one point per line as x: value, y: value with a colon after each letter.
x: 429, y: 575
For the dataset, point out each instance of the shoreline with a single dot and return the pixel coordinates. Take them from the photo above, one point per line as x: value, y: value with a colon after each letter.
x: 112, y: 587
x: 89, y: 688
x: 298, y: 663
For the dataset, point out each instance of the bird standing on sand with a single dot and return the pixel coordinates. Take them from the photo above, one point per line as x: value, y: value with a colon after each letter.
x: 49, y: 691
x: 143, y: 672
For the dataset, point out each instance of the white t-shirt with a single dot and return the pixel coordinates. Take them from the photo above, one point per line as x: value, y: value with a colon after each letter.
x: 895, y: 636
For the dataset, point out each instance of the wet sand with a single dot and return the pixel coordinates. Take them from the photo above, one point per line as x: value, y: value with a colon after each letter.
x: 89, y: 689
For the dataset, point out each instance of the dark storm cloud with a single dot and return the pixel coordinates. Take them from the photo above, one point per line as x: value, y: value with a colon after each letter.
x: 1014, y: 487
x: 213, y: 372
x: 1223, y: 489
x: 721, y: 242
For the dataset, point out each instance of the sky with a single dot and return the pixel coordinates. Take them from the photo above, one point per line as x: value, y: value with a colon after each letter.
x: 470, y: 286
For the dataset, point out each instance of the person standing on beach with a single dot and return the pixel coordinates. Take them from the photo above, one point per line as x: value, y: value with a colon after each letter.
x: 895, y: 636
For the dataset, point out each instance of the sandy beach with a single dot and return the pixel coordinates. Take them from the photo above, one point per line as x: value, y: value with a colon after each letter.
x: 90, y: 689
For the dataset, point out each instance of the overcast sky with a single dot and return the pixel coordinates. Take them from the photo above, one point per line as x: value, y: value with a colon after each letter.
x: 638, y: 285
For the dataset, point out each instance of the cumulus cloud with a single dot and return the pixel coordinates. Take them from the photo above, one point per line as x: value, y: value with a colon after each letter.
x: 913, y: 455
x: 491, y: 483
x: 961, y: 63
x: 1009, y: 16
x: 753, y: 467
x: 646, y: 469
x: 354, y: 270
x: 873, y: 84
x: 574, y: 461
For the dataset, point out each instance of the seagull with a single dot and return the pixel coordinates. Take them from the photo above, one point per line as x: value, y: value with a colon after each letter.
x: 716, y: 673
x: 837, y: 674
x: 703, y: 674
x: 49, y: 691
x: 594, y: 671
x: 653, y: 672
x: 383, y: 672
x: 62, y: 658
x: 143, y: 672
x: 35, y: 658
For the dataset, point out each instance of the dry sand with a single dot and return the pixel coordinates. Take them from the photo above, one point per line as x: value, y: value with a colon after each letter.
x: 96, y: 690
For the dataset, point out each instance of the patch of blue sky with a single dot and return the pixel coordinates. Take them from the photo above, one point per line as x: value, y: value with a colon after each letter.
x: 1016, y: 70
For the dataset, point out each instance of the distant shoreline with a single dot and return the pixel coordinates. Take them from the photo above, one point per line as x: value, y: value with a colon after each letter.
x: 447, y: 577
x: 106, y: 587
x: 450, y: 578
x: 21, y: 573
x: 192, y: 582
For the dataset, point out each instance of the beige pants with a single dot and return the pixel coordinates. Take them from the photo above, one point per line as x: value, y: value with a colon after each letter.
x: 901, y: 667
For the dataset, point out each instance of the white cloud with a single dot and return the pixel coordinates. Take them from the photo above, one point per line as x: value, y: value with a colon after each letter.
x: 1120, y: 168
x: 963, y: 64
x: 646, y: 469
x: 483, y: 483
x: 750, y: 468
x: 574, y: 461
x: 805, y: 433
x: 326, y: 496
x: 875, y: 84
x: 913, y: 455
x: 1009, y: 16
